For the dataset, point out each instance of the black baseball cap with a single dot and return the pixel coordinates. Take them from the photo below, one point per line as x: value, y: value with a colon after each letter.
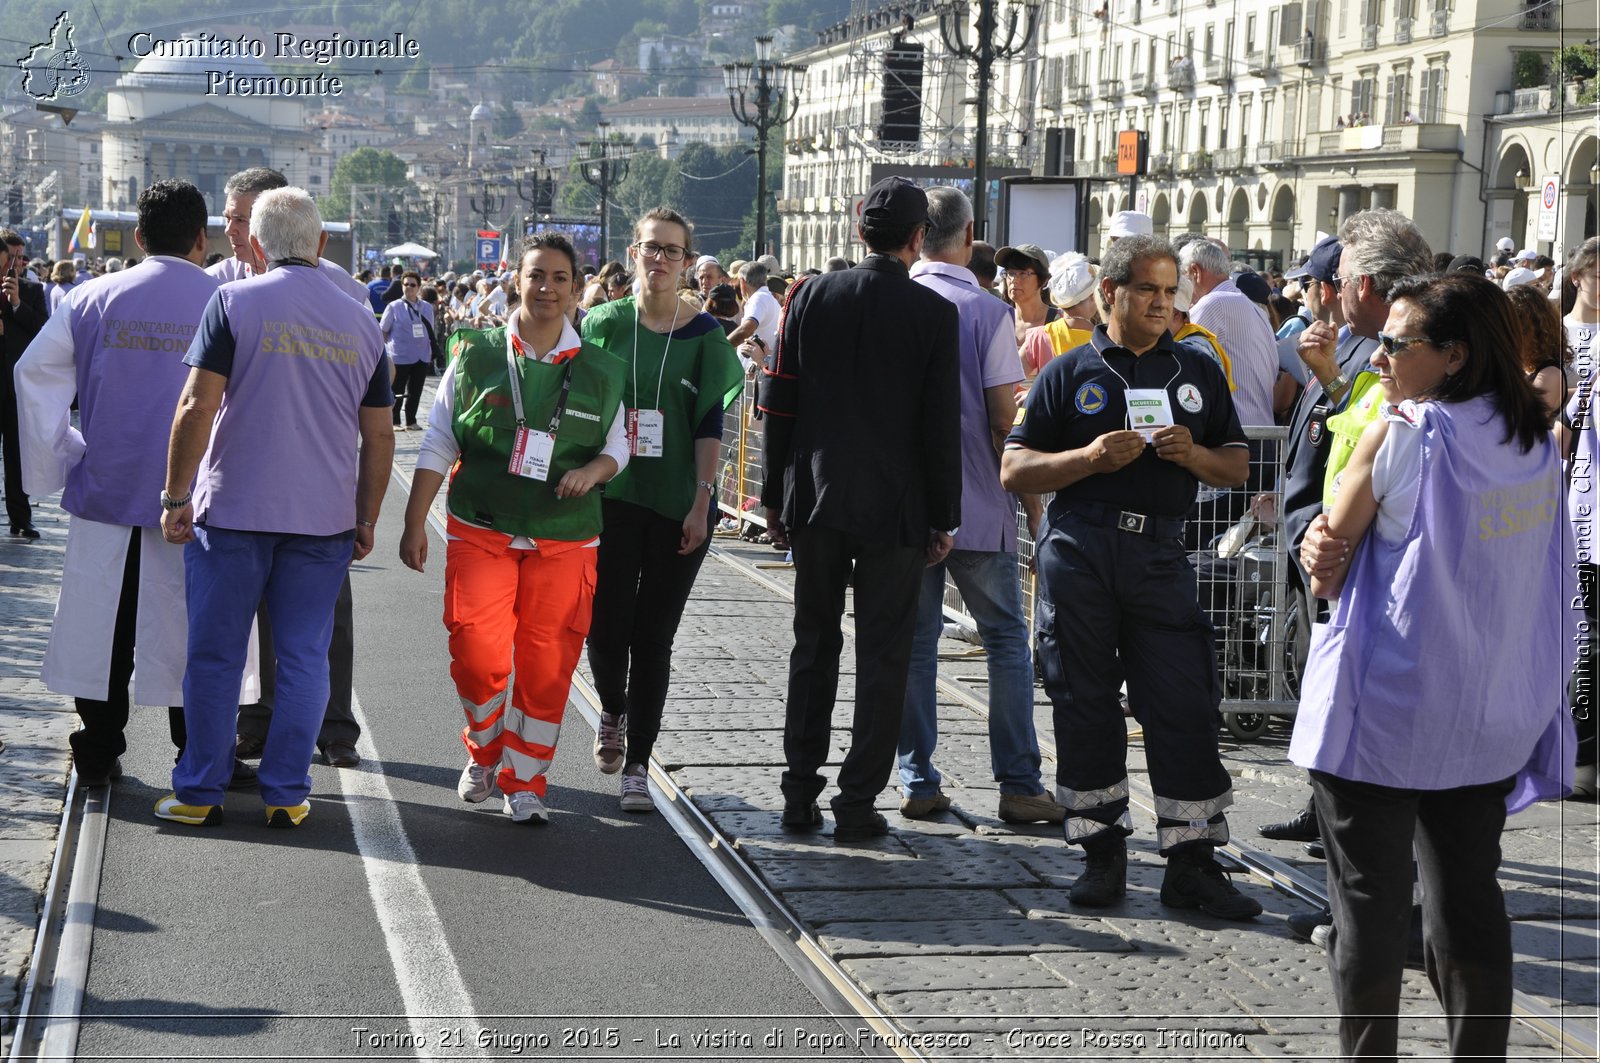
x: 894, y: 203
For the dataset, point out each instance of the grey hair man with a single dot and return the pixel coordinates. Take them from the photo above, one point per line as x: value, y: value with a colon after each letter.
x: 983, y: 561
x: 757, y: 334
x: 1241, y: 327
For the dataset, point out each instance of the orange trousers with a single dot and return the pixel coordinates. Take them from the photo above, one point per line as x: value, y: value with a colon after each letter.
x: 515, y: 612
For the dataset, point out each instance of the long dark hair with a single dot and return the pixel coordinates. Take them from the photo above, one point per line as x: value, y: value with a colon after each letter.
x: 1475, y: 314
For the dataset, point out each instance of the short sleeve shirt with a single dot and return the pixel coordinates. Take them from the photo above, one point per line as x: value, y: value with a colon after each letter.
x: 1079, y: 397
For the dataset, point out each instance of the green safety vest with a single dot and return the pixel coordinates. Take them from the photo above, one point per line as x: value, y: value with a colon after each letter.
x: 483, y: 491
x: 1360, y: 409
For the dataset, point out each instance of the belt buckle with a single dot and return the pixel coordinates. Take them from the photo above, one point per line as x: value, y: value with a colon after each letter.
x: 1130, y: 522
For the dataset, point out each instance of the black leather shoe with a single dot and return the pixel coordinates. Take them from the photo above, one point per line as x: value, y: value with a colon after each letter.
x: 1303, y: 924
x: 249, y: 746
x: 1302, y: 828
x: 341, y: 754
x: 859, y: 827
x: 244, y: 776
x: 802, y: 818
x: 1316, y: 851
x: 24, y: 531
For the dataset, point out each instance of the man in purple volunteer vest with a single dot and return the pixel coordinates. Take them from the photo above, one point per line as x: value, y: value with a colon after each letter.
x: 340, y: 731
x: 116, y: 345
x: 241, y: 192
x: 284, y: 369
x: 983, y: 562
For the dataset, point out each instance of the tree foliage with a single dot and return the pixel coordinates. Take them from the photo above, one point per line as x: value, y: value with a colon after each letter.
x: 365, y: 166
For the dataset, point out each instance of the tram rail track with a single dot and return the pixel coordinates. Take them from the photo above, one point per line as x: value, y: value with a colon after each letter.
x: 1573, y: 1038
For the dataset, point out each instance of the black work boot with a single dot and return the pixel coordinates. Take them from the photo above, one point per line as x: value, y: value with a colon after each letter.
x: 1302, y: 827
x: 1194, y: 879
x: 1105, y: 874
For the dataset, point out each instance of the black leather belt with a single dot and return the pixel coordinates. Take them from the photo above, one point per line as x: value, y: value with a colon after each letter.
x: 1105, y: 516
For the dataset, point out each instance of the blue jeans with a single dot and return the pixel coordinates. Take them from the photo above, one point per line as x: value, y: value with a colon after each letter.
x: 228, y: 574
x: 988, y: 584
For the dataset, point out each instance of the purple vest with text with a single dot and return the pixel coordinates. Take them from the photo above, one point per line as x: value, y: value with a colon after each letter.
x: 283, y: 449
x: 1444, y: 663
x: 130, y: 330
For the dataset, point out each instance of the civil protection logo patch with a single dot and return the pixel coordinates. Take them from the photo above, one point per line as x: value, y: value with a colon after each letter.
x: 1091, y: 398
x: 1189, y: 398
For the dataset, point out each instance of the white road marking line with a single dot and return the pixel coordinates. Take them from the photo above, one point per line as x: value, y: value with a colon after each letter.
x: 424, y: 967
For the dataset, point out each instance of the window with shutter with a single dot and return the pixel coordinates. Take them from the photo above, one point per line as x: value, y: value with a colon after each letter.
x: 1289, y: 27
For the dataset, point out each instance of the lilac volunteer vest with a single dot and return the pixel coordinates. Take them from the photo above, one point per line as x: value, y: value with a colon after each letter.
x: 234, y: 269
x: 283, y: 449
x: 988, y: 512
x: 130, y: 330
x: 1444, y: 662
x: 404, y: 347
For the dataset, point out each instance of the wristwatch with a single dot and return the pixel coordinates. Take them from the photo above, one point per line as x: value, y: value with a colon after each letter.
x: 170, y: 503
x: 709, y: 487
x: 1338, y: 385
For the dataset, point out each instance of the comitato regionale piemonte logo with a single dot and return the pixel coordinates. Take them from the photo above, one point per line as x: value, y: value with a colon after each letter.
x: 54, y: 69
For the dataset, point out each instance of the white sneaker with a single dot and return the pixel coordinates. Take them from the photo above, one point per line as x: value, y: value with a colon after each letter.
x: 524, y: 806
x: 610, y: 743
x: 636, y: 790
x: 477, y: 781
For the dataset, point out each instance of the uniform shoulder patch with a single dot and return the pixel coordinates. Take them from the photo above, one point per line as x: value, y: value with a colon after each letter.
x: 1091, y: 398
x: 1189, y: 398
x: 1022, y: 411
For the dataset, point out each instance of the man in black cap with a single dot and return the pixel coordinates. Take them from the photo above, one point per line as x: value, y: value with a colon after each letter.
x: 862, y: 478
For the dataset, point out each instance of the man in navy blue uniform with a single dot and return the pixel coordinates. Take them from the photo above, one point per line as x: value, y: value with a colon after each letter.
x: 1123, y: 429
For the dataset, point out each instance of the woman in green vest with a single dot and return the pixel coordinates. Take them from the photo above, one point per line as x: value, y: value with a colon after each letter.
x: 526, y: 424
x: 680, y: 374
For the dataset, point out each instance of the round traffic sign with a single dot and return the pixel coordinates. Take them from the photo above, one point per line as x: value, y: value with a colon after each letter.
x: 1548, y: 196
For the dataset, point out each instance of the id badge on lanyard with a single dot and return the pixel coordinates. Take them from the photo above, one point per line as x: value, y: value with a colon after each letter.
x: 647, y: 433
x: 531, y: 452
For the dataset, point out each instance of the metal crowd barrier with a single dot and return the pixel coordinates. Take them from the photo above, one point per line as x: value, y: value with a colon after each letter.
x: 1234, y: 540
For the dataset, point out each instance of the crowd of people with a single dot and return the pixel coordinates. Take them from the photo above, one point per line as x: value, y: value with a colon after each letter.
x: 1438, y: 410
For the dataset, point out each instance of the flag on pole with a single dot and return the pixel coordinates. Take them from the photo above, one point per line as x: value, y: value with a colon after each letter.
x: 83, y: 235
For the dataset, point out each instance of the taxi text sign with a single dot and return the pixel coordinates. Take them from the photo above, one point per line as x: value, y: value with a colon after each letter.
x: 1130, y: 152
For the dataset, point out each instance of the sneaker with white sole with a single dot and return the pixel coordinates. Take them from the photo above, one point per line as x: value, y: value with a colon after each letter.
x: 477, y: 781
x: 610, y: 743
x: 288, y: 815
x: 170, y: 808
x: 524, y: 806
x: 636, y: 790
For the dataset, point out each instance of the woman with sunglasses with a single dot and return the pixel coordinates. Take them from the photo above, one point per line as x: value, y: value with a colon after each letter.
x: 1432, y: 703
x: 659, y: 512
x: 527, y: 423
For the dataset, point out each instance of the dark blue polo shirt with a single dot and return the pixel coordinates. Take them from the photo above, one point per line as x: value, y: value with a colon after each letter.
x: 1078, y: 397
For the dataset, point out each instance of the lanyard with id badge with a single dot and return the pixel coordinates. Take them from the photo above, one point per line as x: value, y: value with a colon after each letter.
x: 1149, y: 409
x: 647, y: 429
x: 417, y: 332
x: 531, y: 451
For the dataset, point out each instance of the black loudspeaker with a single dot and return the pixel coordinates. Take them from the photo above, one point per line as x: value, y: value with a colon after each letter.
x: 902, y: 97
x: 1060, y: 152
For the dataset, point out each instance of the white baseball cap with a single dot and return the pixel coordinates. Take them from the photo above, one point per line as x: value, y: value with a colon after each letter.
x: 1521, y: 275
x: 1130, y: 223
x: 1527, y: 254
x: 1506, y: 244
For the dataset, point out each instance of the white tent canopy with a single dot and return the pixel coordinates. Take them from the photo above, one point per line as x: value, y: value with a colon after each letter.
x: 409, y: 250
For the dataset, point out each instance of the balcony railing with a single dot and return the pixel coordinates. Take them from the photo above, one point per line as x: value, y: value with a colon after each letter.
x: 1538, y: 18
x: 1181, y: 75
x: 1217, y: 71
x: 1308, y: 52
x: 1111, y: 88
x: 1079, y: 91
x: 1139, y: 82
x: 1402, y: 31
x: 1369, y: 37
x: 1227, y: 159
x: 1161, y: 164
x: 1261, y: 61
x: 1195, y: 162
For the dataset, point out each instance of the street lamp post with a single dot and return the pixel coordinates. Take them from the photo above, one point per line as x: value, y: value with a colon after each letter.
x: 954, y: 16
x: 536, y: 186
x: 486, y: 202
x: 606, y: 165
x: 773, y: 90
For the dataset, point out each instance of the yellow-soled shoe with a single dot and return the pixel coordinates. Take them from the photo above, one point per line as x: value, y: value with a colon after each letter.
x: 170, y: 808
x: 287, y: 816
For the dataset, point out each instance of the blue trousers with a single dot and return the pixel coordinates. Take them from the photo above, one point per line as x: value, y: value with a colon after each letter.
x: 229, y: 573
x: 987, y: 580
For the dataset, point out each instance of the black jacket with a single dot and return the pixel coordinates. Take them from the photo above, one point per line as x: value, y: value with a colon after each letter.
x: 864, y: 422
x: 22, y: 322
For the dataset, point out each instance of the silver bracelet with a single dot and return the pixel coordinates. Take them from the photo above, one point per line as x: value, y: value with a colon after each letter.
x: 710, y: 488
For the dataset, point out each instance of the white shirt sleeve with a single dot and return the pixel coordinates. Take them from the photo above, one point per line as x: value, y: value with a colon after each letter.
x: 617, y: 439
x: 439, y: 449
x: 1397, y: 478
x: 46, y: 378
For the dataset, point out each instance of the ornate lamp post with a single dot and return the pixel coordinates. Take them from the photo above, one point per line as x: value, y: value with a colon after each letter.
x: 606, y: 165
x: 1021, y: 19
x: 536, y: 186
x: 486, y: 202
x: 773, y: 91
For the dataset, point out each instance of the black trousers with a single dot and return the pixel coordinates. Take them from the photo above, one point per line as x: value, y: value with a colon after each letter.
x: 102, y: 739
x: 1581, y: 691
x: 408, y: 381
x: 339, y: 724
x: 19, y: 511
x: 641, y: 588
x: 887, y: 581
x: 1370, y: 832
